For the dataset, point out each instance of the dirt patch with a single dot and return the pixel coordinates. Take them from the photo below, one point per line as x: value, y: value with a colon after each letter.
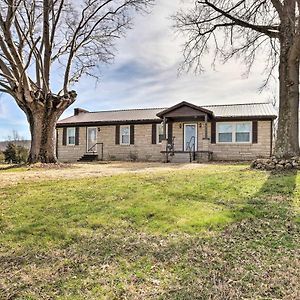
x: 75, y: 171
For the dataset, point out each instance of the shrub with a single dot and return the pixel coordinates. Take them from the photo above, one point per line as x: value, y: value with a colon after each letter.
x: 133, y: 156
x: 15, y: 154
x: 2, y: 156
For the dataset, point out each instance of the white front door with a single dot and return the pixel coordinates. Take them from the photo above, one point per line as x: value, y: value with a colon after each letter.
x: 91, y: 139
x: 190, y: 137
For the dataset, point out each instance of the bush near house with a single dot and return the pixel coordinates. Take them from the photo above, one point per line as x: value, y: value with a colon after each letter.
x: 15, y: 153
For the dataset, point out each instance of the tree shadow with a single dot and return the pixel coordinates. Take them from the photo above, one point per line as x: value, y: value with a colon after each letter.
x: 257, y: 257
x: 253, y: 258
x: 15, y: 166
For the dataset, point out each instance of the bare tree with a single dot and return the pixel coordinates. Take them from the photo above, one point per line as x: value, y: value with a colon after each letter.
x: 247, y: 29
x: 15, y: 137
x: 65, y: 37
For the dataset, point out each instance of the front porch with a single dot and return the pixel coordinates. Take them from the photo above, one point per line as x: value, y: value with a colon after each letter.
x: 186, y: 133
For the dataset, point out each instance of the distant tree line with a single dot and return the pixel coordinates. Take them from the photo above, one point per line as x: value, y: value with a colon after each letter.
x: 14, y: 152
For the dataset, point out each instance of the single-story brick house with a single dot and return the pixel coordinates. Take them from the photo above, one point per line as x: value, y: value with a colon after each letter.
x: 181, y: 133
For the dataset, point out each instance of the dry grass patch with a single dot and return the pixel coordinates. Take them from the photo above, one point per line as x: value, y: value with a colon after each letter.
x: 208, y: 232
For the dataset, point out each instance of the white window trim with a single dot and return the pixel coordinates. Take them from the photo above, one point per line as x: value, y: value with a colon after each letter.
x: 71, y: 144
x: 157, y: 132
x: 234, y: 124
x: 121, y: 127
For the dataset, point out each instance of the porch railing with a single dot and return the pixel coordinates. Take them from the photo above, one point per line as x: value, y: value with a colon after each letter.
x: 170, y: 149
x: 93, y: 149
x: 190, y: 146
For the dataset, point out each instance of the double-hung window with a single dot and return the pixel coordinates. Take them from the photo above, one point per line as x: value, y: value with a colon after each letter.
x: 71, y: 136
x: 125, y: 135
x: 243, y: 133
x: 234, y: 132
x: 225, y: 133
x: 160, y: 132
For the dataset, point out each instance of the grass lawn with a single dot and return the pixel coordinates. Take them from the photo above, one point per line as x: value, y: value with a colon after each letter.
x: 214, y: 232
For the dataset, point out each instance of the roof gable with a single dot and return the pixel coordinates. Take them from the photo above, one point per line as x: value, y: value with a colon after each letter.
x: 184, y: 109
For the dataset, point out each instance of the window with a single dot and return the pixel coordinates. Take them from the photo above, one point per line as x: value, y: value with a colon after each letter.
x: 225, y: 133
x: 243, y: 132
x: 125, y: 135
x: 240, y: 132
x: 160, y: 132
x: 71, y: 136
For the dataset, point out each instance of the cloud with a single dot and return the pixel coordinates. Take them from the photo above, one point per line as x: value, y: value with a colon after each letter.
x: 145, y: 73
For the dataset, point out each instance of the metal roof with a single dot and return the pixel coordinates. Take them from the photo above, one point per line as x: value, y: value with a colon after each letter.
x: 260, y: 110
x: 243, y: 110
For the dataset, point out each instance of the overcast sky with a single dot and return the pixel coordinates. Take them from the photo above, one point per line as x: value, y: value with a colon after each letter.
x: 144, y: 74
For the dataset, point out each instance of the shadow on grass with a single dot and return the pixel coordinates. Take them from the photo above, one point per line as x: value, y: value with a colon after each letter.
x: 9, y: 167
x: 255, y: 258
x: 273, y: 198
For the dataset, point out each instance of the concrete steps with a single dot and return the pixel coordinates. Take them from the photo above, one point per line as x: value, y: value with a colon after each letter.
x: 88, y: 157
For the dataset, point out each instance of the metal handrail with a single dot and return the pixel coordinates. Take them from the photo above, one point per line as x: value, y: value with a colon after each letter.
x: 170, y: 149
x: 190, y: 148
x: 102, y: 146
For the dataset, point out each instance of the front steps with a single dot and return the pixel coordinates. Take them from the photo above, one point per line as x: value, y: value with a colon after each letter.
x: 184, y: 157
x: 88, y: 157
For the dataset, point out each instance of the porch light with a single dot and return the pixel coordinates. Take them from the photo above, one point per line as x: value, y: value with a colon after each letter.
x: 200, y: 125
x: 180, y: 125
x: 99, y: 129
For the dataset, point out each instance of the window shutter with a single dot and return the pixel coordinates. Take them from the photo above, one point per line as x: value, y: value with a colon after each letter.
x: 170, y: 133
x: 117, y: 135
x: 254, y: 132
x: 77, y: 136
x: 154, y: 133
x: 213, y: 132
x: 131, y: 134
x: 64, y: 140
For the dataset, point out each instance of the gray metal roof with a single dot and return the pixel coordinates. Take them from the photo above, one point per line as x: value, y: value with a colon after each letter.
x: 148, y: 114
x: 243, y: 110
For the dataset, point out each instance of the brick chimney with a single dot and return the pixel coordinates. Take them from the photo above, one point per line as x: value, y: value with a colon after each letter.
x: 78, y: 111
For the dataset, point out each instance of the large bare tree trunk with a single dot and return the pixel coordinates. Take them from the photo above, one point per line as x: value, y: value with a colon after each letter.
x: 43, y: 139
x: 43, y: 114
x: 287, y: 142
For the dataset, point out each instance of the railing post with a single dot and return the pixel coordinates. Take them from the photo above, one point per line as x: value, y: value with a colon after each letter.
x: 205, y: 128
x: 164, y: 128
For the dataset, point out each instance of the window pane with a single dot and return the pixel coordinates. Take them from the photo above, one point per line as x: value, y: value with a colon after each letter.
x: 225, y: 137
x: 160, y: 132
x: 71, y: 136
x: 243, y: 132
x: 124, y: 131
x: 71, y: 140
x: 243, y: 137
x: 225, y: 128
x: 125, y: 135
x: 125, y: 139
x: 243, y: 127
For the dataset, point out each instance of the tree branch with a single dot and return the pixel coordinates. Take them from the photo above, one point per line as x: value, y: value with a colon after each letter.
x: 271, y: 31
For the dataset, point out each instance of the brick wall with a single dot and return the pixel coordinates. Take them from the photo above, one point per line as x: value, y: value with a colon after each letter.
x: 246, y: 151
x: 144, y: 150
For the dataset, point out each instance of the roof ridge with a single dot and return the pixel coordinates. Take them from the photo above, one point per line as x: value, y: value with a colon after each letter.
x: 235, y: 104
x: 129, y: 109
x: 151, y: 108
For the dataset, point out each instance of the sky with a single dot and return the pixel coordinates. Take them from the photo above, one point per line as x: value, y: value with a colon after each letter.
x: 145, y: 74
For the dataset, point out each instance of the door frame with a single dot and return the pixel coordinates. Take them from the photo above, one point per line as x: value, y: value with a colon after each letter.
x: 196, y: 135
x: 87, y: 139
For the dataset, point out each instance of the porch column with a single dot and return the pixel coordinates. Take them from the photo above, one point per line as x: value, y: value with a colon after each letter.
x: 205, y: 128
x: 164, y: 128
